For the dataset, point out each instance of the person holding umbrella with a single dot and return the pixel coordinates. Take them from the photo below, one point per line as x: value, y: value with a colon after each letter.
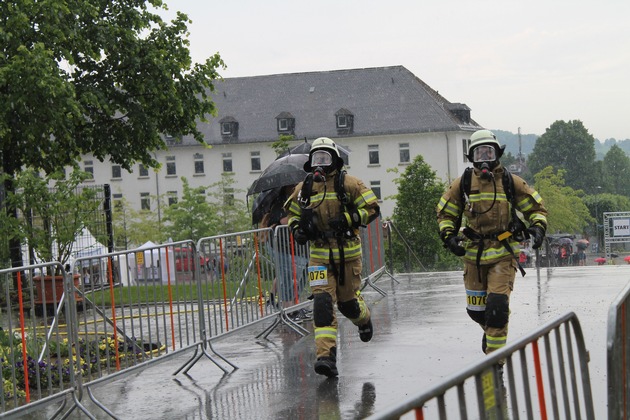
x: 327, y: 209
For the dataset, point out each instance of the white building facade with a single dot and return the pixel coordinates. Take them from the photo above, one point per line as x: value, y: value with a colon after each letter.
x: 384, y: 116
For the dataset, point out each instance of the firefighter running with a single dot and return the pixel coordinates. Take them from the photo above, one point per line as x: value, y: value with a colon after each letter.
x: 327, y: 209
x: 493, y: 230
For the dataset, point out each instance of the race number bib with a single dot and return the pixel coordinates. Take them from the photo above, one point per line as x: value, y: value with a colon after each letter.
x: 476, y: 300
x: 318, y: 275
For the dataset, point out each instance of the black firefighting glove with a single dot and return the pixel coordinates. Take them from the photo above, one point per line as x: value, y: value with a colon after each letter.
x: 452, y: 243
x: 299, y: 234
x: 537, y: 234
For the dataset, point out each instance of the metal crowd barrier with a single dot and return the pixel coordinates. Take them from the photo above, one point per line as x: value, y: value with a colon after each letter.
x: 558, y: 387
x: 116, y: 313
x: 41, y: 361
x: 618, y: 356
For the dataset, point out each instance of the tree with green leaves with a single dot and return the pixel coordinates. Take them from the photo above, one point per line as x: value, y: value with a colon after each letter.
x: 616, y: 172
x: 570, y: 147
x: 101, y: 77
x: 142, y: 226
x: 192, y: 217
x: 415, y: 229
x: 231, y: 213
x: 565, y: 206
x: 281, y: 145
x: 53, y: 211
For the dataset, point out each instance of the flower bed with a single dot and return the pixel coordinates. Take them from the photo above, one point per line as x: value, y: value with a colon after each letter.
x: 96, y: 355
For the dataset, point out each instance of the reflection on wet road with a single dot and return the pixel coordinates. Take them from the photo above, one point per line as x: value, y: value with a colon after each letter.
x: 422, y: 334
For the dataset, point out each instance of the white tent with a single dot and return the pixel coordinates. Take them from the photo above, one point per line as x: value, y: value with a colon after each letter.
x: 148, y: 264
x: 86, y: 258
x: 85, y: 248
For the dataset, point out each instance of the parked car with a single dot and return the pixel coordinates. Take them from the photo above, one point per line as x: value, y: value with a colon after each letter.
x: 184, y: 260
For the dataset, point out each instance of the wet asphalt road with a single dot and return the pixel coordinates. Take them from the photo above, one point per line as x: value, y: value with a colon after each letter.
x: 422, y: 334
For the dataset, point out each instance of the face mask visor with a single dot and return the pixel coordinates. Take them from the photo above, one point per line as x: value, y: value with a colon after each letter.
x: 484, y: 153
x: 321, y: 158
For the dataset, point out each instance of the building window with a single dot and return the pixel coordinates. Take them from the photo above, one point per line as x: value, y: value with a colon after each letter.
x: 286, y: 123
x: 145, y: 201
x: 172, y: 198
x: 171, y: 168
x: 116, y: 172
x: 143, y: 172
x: 227, y: 162
x: 117, y: 199
x: 465, y: 145
x: 255, y: 158
x: 376, y: 189
x: 228, y: 196
x: 198, y: 159
x: 344, y: 121
x: 404, y: 152
x: 172, y: 140
x: 88, y: 166
x: 373, y: 154
x: 229, y: 128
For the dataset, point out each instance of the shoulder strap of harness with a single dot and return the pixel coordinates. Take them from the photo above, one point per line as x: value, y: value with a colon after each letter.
x: 508, y: 186
x: 464, y: 191
x: 340, y: 189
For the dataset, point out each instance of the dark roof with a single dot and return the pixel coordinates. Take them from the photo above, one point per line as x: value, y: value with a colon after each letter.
x: 382, y: 100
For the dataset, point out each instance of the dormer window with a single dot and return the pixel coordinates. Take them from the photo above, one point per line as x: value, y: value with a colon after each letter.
x: 345, y: 121
x: 286, y: 123
x: 283, y: 124
x: 172, y: 139
x: 229, y: 128
x: 461, y: 111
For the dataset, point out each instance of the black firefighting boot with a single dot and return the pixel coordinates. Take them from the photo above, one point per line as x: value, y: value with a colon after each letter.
x: 365, y: 331
x: 327, y: 365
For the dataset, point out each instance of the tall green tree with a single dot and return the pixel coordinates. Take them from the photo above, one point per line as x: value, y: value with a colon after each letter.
x: 232, y: 213
x: 143, y: 226
x: 281, y: 145
x: 570, y: 147
x: 192, y: 217
x: 416, y: 239
x: 567, y: 212
x: 102, y: 77
x: 616, y: 172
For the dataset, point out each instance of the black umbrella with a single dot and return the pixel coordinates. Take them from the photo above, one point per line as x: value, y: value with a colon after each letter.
x: 286, y: 170
x: 263, y: 203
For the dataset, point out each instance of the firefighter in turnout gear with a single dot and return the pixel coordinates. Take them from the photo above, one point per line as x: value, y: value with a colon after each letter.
x: 327, y: 209
x: 489, y: 198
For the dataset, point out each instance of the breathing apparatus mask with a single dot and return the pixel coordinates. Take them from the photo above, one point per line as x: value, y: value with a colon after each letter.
x: 322, y: 164
x: 485, y: 159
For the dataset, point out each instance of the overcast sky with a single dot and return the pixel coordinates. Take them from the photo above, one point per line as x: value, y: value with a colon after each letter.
x: 515, y: 64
